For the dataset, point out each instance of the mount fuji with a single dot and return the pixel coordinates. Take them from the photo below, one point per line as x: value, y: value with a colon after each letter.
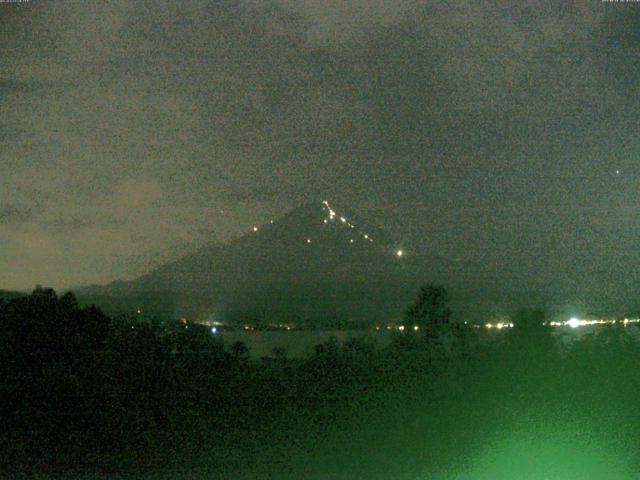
x: 317, y: 264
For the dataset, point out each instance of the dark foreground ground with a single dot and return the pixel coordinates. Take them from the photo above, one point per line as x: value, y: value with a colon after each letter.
x: 503, y: 411
x: 519, y: 407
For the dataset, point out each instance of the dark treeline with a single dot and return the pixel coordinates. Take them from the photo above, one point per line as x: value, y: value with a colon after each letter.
x: 82, y: 393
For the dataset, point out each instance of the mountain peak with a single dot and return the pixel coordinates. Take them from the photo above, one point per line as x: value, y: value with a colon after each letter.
x: 320, y: 218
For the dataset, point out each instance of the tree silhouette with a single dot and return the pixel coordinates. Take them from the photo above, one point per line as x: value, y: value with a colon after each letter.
x: 529, y: 320
x: 51, y: 357
x: 42, y: 322
x: 430, y: 312
x: 240, y: 351
x: 530, y: 326
x: 279, y: 352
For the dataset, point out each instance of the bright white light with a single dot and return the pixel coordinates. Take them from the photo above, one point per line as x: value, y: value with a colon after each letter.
x: 214, y: 329
x: 326, y: 221
x: 343, y: 220
x: 573, y: 322
x: 255, y: 229
x: 401, y: 328
x: 351, y: 241
x: 366, y: 236
x: 308, y: 240
x: 399, y: 253
x: 416, y: 328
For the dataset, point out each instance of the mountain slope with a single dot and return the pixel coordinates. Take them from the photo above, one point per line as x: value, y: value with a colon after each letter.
x: 316, y: 262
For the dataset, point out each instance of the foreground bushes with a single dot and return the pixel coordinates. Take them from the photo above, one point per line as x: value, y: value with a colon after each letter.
x: 122, y: 395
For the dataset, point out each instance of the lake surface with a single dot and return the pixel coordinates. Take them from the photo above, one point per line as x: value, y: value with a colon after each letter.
x: 300, y: 343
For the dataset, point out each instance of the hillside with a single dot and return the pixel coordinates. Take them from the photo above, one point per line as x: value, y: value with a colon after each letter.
x: 316, y: 263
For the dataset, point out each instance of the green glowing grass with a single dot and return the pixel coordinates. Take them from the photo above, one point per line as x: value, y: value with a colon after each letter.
x: 547, y: 453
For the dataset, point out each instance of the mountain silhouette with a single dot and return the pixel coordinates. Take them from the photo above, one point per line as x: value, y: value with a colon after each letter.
x: 317, y: 263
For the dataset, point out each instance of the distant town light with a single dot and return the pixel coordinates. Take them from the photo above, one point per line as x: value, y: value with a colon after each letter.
x: 401, y: 328
x: 308, y: 240
x: 343, y: 220
x: 399, y: 253
x: 255, y: 229
x: 574, y: 322
x: 416, y: 328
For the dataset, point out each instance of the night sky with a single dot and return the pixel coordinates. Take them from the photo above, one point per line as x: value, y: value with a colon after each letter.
x: 503, y: 134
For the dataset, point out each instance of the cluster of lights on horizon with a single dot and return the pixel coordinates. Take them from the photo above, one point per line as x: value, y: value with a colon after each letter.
x: 577, y: 322
x: 572, y: 322
x: 400, y: 328
x: 499, y: 325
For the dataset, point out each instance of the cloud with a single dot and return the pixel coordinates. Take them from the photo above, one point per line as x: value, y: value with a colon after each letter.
x: 12, y: 214
x: 130, y: 127
x: 137, y: 194
x: 338, y: 21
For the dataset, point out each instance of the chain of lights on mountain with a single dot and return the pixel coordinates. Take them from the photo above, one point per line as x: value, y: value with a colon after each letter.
x: 332, y: 215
